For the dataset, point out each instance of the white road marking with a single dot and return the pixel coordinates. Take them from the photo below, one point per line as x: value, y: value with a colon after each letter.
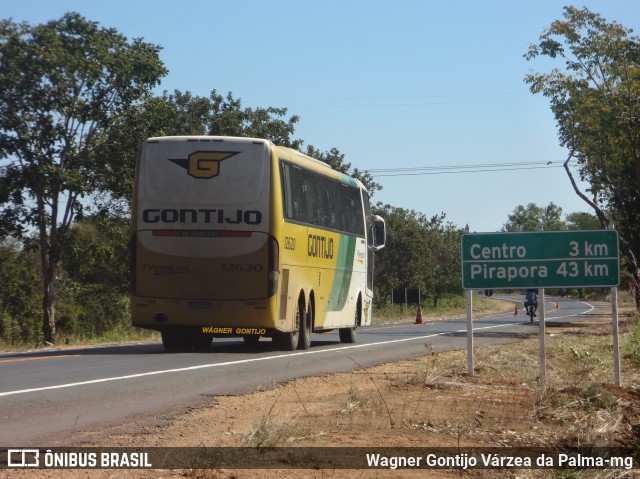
x: 255, y: 360
x: 231, y: 363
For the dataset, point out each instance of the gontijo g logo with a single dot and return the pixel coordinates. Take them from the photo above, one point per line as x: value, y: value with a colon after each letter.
x: 203, y: 164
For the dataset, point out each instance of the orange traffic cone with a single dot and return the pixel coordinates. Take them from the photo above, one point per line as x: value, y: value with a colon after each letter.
x: 419, y: 315
x: 515, y: 313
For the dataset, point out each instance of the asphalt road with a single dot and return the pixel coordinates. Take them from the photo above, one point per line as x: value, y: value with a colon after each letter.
x: 58, y: 397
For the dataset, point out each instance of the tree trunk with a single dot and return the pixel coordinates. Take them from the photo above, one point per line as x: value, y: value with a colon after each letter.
x: 48, y: 263
x: 49, y: 241
x: 637, y: 162
x: 436, y: 296
x: 48, y: 309
x: 48, y: 295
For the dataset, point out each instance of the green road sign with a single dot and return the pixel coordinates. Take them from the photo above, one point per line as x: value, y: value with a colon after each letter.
x: 544, y: 259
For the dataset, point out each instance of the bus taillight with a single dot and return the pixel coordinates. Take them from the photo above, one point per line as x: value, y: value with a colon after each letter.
x: 274, y: 261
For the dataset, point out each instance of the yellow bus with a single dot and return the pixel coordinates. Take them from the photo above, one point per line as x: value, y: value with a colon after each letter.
x: 239, y: 237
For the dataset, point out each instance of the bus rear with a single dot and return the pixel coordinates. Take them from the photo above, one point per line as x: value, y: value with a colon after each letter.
x: 202, y: 255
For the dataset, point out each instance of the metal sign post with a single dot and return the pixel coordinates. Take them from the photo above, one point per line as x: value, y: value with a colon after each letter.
x: 541, y: 334
x: 470, y: 367
x: 616, y: 334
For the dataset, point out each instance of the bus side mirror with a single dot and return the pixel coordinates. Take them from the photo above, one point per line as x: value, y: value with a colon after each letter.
x: 379, y: 233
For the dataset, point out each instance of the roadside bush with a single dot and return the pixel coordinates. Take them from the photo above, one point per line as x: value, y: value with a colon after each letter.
x: 20, y: 303
x: 90, y: 310
x: 633, y: 342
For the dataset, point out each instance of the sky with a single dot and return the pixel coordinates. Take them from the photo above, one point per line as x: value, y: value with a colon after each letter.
x: 397, y: 84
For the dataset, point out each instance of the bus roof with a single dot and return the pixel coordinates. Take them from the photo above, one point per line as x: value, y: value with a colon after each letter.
x: 208, y: 138
x: 292, y: 154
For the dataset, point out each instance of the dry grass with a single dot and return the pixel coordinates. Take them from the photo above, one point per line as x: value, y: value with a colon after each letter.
x: 505, y: 402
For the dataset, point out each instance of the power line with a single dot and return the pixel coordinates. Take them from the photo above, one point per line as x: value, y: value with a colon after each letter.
x: 458, y: 169
x: 465, y: 171
x: 476, y: 165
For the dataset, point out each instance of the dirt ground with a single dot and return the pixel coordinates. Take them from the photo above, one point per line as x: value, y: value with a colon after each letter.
x: 427, y: 402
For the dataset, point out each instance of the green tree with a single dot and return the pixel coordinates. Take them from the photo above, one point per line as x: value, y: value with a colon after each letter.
x: 19, y: 293
x: 94, y: 284
x: 582, y: 221
x: 61, y: 85
x: 534, y: 218
x: 404, y: 258
x: 595, y: 98
x: 444, y: 274
x: 420, y: 252
x: 96, y: 252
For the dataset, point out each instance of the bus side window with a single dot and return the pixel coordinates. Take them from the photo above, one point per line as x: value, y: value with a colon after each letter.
x: 298, y: 189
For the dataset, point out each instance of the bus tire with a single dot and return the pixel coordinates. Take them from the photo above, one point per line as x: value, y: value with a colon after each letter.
x: 175, y: 340
x: 200, y: 341
x: 251, y: 339
x: 349, y: 335
x: 290, y: 341
x: 304, y: 340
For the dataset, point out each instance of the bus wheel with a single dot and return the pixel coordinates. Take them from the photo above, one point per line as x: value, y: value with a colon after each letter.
x: 200, y: 341
x: 349, y: 335
x: 251, y: 339
x: 289, y: 341
x: 304, y: 341
x: 175, y: 340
